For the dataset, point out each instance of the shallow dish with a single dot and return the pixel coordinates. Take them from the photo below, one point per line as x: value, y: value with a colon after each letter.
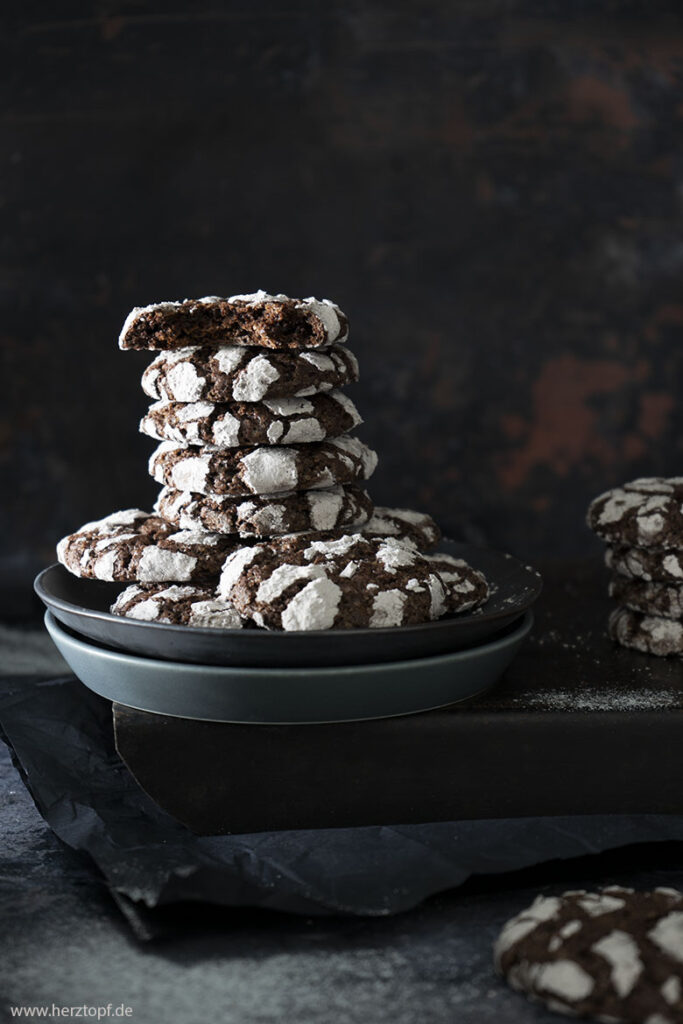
x: 83, y: 606
x: 287, y: 695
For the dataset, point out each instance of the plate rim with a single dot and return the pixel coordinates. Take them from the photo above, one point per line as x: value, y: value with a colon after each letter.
x: 434, y: 626
x: 526, y: 622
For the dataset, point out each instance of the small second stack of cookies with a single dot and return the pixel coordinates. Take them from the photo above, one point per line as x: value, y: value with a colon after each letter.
x: 642, y: 523
x: 262, y: 482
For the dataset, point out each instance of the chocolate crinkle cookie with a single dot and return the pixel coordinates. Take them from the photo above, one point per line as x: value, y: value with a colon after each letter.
x: 616, y: 954
x: 333, y: 508
x: 650, y: 634
x: 645, y: 513
x: 352, y: 582
x: 135, y: 546
x: 176, y: 605
x: 465, y: 587
x: 658, y: 599
x: 262, y: 470
x: 403, y: 524
x: 228, y: 373
x: 273, y: 421
x: 260, y: 319
x: 660, y: 565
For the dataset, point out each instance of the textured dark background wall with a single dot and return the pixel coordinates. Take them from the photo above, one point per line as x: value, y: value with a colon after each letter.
x: 491, y: 190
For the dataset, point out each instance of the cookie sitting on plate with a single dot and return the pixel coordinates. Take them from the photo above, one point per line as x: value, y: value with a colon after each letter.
x: 352, y: 582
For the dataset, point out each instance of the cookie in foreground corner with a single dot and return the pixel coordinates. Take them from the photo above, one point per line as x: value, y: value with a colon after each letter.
x: 614, y: 955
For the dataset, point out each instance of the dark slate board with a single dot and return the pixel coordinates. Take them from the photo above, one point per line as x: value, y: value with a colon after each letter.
x: 577, y: 726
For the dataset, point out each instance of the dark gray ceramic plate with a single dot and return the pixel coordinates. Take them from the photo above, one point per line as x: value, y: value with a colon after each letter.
x: 83, y: 606
x: 268, y: 696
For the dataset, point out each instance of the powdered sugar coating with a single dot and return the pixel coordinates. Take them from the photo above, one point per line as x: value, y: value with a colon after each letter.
x: 262, y: 470
x: 348, y: 582
x: 273, y: 421
x: 267, y: 515
x: 658, y: 599
x: 650, y: 634
x: 177, y: 605
x: 466, y: 588
x: 134, y: 545
x: 229, y: 373
x: 645, y: 513
x: 649, y: 564
x: 404, y: 524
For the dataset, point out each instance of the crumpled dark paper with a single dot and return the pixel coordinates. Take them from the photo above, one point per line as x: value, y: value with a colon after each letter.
x: 61, y: 738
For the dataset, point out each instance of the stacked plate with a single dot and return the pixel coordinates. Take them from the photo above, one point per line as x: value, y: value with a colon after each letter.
x: 258, y: 676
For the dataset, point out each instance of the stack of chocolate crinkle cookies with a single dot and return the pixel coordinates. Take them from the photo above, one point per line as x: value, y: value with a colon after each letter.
x: 263, y: 519
x: 642, y: 523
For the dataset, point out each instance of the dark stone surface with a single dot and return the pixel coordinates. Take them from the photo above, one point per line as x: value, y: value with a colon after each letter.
x: 64, y: 941
x: 490, y: 190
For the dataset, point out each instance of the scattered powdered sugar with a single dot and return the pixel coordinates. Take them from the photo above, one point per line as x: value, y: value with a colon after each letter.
x: 599, y: 700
